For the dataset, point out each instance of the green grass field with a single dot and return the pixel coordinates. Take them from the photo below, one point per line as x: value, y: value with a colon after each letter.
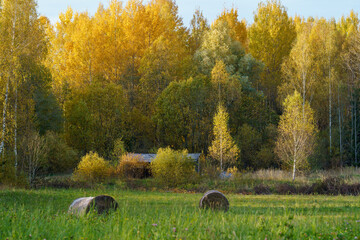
x: 42, y: 214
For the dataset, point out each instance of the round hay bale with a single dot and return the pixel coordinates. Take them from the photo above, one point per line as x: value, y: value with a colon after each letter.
x: 214, y: 200
x: 100, y: 204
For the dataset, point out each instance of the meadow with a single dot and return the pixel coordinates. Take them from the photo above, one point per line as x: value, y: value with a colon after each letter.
x: 42, y: 214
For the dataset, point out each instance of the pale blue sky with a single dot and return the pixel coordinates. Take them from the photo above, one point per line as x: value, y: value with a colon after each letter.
x: 212, y: 8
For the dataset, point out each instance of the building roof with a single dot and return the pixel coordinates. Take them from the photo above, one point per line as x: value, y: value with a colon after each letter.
x: 148, y: 157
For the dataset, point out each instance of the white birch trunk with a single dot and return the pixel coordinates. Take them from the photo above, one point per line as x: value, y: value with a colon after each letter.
x: 15, y: 131
x: 355, y: 131
x: 352, y: 121
x: 330, y: 117
x: 221, y: 146
x: 304, y: 93
x: 340, y: 128
x: 294, y: 166
x: 4, y: 117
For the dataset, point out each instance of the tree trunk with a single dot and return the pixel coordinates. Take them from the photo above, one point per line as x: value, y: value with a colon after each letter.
x: 330, y: 119
x: 15, y: 130
x: 355, y: 131
x: 4, y: 117
x: 295, y: 155
x: 340, y: 126
x: 221, y: 152
x: 304, y: 94
x: 352, y: 124
x: 294, y: 169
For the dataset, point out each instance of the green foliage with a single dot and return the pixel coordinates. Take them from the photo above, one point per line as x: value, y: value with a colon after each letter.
x: 7, y: 170
x: 135, y: 72
x: 164, y: 62
x: 92, y: 168
x: 95, y: 117
x: 131, y: 166
x: 172, y: 167
x: 155, y: 215
x: 119, y: 149
x: 8, y: 176
x: 106, y: 104
x: 60, y: 157
x: 48, y: 113
x: 257, y: 147
x: 139, y: 133
x: 182, y: 114
x: 37, y: 87
x: 249, y: 141
x: 218, y: 45
x: 78, y: 126
x: 228, y: 87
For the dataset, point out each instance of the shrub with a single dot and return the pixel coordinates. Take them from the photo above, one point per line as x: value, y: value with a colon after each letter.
x: 285, y: 189
x: 33, y: 154
x: 233, y: 172
x: 132, y: 166
x: 328, y: 186
x: 262, y: 189
x: 64, y: 182
x: 350, y: 189
x: 171, y: 167
x: 92, y: 168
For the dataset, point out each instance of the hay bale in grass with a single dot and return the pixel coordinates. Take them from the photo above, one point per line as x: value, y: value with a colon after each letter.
x: 101, y: 204
x: 214, y: 200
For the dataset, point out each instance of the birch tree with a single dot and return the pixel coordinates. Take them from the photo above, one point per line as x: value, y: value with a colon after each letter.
x: 223, y: 147
x: 350, y: 59
x: 296, y: 133
x: 270, y: 40
x: 20, y: 34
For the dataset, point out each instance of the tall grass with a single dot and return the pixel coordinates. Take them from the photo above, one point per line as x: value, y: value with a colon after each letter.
x: 42, y: 214
x: 349, y: 174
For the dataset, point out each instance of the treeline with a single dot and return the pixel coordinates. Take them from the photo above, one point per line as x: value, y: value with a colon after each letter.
x: 133, y: 76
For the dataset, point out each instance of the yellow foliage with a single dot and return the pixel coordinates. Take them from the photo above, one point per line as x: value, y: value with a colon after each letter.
x: 233, y: 170
x: 270, y: 40
x: 223, y: 148
x: 131, y: 166
x: 237, y: 29
x: 92, y: 168
x: 297, y: 131
x: 172, y: 167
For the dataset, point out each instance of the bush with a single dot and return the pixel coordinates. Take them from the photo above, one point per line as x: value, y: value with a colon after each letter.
x: 262, y: 189
x: 92, y: 168
x: 233, y: 172
x: 327, y: 186
x: 132, y: 166
x: 285, y: 189
x: 61, y: 182
x: 33, y: 154
x: 171, y: 167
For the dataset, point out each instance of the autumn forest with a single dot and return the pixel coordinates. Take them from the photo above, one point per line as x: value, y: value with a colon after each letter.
x: 133, y: 77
